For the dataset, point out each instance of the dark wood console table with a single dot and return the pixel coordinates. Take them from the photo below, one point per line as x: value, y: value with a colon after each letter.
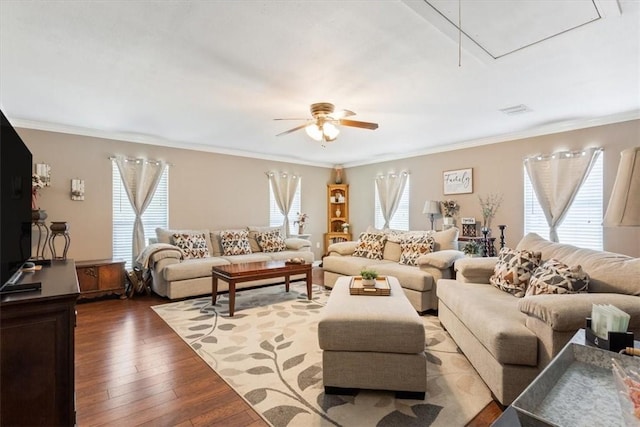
x: 37, y: 349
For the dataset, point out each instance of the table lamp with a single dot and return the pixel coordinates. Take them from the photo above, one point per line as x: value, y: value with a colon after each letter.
x: 431, y: 208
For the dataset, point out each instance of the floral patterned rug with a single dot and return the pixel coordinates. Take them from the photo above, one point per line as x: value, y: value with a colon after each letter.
x: 268, y: 352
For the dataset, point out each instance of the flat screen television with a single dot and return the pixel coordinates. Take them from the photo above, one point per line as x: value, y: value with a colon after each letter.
x: 15, y: 211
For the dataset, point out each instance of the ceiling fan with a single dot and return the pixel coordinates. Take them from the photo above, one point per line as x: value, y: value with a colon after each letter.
x: 323, y: 126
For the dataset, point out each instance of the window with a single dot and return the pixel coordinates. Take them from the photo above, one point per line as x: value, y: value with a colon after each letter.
x: 156, y: 215
x: 275, y: 217
x: 582, y: 226
x: 400, y: 220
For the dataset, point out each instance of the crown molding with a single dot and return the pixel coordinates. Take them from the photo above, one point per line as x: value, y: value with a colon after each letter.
x: 145, y: 139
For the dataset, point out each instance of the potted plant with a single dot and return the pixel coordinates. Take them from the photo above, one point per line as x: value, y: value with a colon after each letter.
x: 369, y: 277
x: 471, y: 249
x: 450, y: 209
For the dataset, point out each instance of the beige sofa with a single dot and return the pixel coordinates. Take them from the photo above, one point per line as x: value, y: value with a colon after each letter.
x: 174, y: 277
x: 418, y: 282
x: 509, y: 340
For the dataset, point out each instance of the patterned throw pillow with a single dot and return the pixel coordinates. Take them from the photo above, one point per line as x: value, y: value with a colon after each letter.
x: 555, y: 277
x: 513, y: 270
x: 192, y: 245
x: 235, y: 242
x: 414, y: 246
x: 370, y: 245
x: 271, y: 241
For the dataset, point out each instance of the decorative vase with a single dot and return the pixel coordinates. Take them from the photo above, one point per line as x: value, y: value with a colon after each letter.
x: 338, y: 179
x: 38, y: 215
x: 448, y: 220
x: 300, y: 229
x: 338, y: 213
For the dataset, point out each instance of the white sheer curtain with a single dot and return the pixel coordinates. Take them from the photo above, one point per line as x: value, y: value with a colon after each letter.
x: 390, y: 188
x: 284, y: 187
x: 556, y: 179
x: 140, y: 179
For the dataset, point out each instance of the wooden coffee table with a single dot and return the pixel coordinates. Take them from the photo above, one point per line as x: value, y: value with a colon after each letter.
x: 245, y: 272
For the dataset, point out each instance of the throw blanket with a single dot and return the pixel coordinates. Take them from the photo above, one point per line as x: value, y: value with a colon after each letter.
x: 145, y: 259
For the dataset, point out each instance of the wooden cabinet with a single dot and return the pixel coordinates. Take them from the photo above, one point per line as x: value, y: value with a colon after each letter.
x: 337, y: 214
x: 101, y: 277
x: 37, y: 349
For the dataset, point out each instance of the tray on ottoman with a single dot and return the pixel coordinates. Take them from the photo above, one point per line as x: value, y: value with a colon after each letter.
x: 381, y: 287
x: 578, y: 387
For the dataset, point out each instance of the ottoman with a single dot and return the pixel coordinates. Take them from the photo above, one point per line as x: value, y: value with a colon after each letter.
x: 372, y: 342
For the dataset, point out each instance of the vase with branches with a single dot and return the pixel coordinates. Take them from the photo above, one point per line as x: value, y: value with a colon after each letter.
x: 489, y: 206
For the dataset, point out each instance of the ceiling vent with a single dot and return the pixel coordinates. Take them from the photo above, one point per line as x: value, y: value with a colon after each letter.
x: 516, y: 109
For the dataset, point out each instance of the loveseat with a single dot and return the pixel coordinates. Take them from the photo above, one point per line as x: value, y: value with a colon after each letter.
x: 180, y: 261
x: 509, y: 340
x: 418, y: 281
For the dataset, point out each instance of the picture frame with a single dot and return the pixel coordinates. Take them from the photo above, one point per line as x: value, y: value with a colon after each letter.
x: 459, y: 181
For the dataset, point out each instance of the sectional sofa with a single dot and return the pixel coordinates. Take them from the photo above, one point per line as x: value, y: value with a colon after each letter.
x: 509, y: 340
x: 418, y: 281
x: 180, y: 261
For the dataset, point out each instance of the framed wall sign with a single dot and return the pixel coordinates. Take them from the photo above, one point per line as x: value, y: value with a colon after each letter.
x: 458, y: 181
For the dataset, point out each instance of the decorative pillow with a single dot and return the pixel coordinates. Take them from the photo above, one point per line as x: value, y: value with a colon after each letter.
x: 415, y: 246
x: 271, y: 241
x: 555, y: 277
x: 192, y: 245
x: 235, y: 242
x: 370, y: 245
x: 513, y: 270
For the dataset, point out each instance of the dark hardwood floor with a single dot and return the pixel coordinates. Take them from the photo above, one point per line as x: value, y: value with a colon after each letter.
x: 132, y: 369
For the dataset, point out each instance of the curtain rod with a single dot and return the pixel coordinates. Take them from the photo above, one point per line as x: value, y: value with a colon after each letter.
x: 146, y: 160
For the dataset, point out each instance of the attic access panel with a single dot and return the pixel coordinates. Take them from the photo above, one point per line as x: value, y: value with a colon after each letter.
x: 502, y: 27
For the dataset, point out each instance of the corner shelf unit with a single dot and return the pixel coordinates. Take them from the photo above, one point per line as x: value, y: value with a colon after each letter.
x: 337, y: 214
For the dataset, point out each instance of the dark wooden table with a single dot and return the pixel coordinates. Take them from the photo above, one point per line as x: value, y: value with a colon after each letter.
x: 245, y: 272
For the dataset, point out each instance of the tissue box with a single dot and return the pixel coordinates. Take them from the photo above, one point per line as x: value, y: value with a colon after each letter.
x: 615, y: 341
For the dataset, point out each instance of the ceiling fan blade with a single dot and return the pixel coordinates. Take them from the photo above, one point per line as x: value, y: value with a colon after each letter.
x: 357, y: 124
x: 293, y: 130
x: 342, y: 113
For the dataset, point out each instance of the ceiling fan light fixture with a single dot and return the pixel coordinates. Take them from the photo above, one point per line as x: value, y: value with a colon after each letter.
x: 331, y: 131
x: 314, y: 131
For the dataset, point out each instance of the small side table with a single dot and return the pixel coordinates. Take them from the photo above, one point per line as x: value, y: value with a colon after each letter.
x: 43, y: 237
x: 59, y: 228
x: 101, y: 277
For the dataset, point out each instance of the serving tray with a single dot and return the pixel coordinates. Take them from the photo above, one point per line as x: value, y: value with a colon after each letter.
x: 382, y: 287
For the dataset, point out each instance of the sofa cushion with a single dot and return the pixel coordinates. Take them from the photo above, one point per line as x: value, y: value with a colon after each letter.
x: 192, y: 245
x: 414, y: 247
x: 555, y: 277
x: 410, y: 277
x: 271, y: 241
x: 370, y: 245
x: 475, y: 270
x: 598, y: 265
x: 351, y: 265
x: 446, y: 239
x: 235, y: 242
x: 191, y: 268
x: 513, y: 270
x: 493, y: 317
x: 165, y: 235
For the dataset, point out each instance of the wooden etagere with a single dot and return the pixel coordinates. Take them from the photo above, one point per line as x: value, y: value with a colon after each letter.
x: 337, y: 214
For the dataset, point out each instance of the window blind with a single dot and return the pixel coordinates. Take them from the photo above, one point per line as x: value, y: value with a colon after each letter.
x: 582, y: 225
x: 400, y: 220
x: 156, y: 215
x: 276, y: 219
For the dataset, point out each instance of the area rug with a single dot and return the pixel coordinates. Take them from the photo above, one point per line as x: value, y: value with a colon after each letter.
x: 268, y: 352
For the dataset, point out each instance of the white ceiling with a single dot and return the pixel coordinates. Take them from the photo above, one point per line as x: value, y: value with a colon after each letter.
x: 211, y: 75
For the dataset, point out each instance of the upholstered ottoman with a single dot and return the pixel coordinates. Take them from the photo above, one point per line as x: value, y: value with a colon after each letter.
x: 372, y: 342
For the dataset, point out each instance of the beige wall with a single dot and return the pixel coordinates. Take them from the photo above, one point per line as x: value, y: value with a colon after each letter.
x: 496, y: 168
x: 206, y: 190
x: 219, y: 191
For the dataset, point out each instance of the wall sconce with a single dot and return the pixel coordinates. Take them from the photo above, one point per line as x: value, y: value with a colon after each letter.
x: 77, y: 189
x: 43, y: 170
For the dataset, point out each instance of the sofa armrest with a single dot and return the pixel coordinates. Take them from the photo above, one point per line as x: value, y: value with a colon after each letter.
x: 475, y: 270
x: 439, y: 259
x: 155, y: 252
x: 567, y: 312
x: 342, y: 248
x: 296, y: 244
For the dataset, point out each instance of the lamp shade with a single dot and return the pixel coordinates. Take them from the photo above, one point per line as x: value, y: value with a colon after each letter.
x: 431, y: 207
x: 624, y: 204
